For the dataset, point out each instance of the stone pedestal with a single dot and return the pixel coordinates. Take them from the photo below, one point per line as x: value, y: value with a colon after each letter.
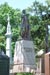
x: 24, y: 56
x: 47, y: 63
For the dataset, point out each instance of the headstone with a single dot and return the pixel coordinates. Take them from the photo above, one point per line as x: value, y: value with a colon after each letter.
x: 47, y: 63
x: 4, y: 64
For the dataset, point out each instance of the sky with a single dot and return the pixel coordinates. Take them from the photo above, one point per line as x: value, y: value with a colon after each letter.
x: 21, y: 4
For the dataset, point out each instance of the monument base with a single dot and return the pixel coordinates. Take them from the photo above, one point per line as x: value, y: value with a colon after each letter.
x: 47, y: 63
x: 24, y: 56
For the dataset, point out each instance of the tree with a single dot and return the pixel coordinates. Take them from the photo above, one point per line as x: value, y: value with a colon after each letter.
x: 15, y: 20
x: 38, y: 23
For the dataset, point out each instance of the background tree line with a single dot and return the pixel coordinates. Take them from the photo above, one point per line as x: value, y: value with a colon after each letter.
x: 36, y: 20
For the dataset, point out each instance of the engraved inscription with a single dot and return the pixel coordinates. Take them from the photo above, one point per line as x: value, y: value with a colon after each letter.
x: 28, y: 49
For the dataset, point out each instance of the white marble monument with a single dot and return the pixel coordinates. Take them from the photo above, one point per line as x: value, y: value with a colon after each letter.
x: 8, y: 40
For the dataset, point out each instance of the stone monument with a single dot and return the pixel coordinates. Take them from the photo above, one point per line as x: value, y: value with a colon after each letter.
x: 8, y: 45
x: 47, y: 56
x: 47, y: 63
x: 24, y: 55
x: 8, y: 40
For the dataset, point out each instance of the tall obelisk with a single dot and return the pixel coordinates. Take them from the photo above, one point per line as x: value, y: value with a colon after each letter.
x: 8, y: 40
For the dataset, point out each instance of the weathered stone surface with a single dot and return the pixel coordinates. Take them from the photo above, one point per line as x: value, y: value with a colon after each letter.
x: 24, y: 56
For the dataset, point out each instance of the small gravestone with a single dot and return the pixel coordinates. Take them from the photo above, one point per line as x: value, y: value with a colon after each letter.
x: 24, y: 55
x: 47, y: 63
x: 4, y: 64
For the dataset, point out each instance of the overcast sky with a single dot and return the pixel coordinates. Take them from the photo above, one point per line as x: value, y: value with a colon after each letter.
x: 21, y: 4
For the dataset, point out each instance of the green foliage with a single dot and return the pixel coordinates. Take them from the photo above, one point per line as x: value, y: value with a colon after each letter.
x: 36, y: 20
x: 15, y: 20
x: 38, y: 23
x: 24, y: 74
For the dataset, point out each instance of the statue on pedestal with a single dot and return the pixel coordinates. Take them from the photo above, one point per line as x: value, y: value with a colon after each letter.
x: 24, y: 55
x: 25, y: 28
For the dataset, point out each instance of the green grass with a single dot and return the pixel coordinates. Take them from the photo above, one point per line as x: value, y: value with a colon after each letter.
x: 24, y: 74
